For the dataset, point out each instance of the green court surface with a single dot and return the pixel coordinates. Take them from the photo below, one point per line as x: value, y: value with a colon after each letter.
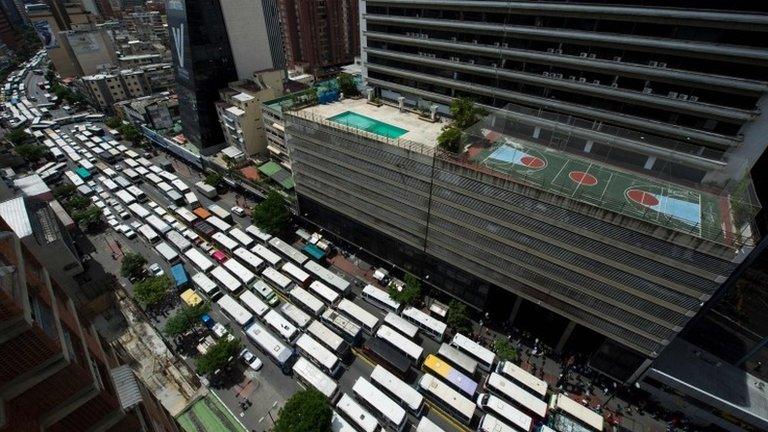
x: 208, y: 414
x: 664, y: 204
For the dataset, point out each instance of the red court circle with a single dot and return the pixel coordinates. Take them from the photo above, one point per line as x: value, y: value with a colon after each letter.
x: 582, y: 178
x: 642, y: 197
x: 532, y: 161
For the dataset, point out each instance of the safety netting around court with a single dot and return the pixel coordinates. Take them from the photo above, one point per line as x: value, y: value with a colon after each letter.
x: 538, y: 157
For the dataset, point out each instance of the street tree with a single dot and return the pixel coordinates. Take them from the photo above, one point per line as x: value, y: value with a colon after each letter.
x: 31, y: 152
x: 218, y: 356
x: 505, y: 350
x: 151, y: 291
x: 88, y: 219
x: 305, y: 411
x: 409, y: 294
x: 187, y: 318
x: 130, y: 133
x: 458, y: 318
x: 213, y: 179
x: 17, y: 136
x: 272, y: 214
x: 132, y: 266
x: 113, y: 122
x: 64, y: 191
x: 77, y: 202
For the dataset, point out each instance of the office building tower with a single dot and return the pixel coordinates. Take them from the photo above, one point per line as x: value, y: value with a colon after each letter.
x: 10, y: 34
x: 601, y: 202
x: 320, y: 35
x: 254, y: 36
x: 204, y: 64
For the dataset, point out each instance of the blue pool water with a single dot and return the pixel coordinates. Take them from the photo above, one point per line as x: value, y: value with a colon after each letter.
x: 355, y: 120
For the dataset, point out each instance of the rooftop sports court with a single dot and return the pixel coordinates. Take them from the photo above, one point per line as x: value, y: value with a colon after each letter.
x: 665, y: 204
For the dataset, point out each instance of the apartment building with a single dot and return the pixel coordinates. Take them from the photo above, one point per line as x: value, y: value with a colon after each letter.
x: 157, y: 111
x: 253, y: 30
x: 104, y: 89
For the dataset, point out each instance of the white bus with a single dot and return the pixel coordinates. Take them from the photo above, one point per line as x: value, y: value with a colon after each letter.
x: 522, y: 377
x: 426, y: 425
x: 235, y: 310
x: 400, y: 324
x: 288, y: 251
x: 225, y: 279
x: 502, y: 387
x: 224, y: 241
x: 252, y: 302
x: 218, y: 223
x: 137, y: 193
x: 485, y: 357
x: 244, y: 239
x: 358, y: 415
x: 148, y: 233
x: 490, y: 423
x: 326, y: 294
x: 327, y: 337
x: 154, y: 179
x: 433, y: 327
x: 348, y: 330
x: 270, y: 345
x: 265, y: 292
x: 306, y: 300
x: 318, y: 354
x: 361, y: 316
x: 310, y: 375
x: 178, y: 240
x: 191, y: 199
x: 338, y: 424
x: 220, y: 212
x: 332, y: 279
x: 180, y: 185
x: 206, y: 285
x: 297, y: 274
x: 125, y: 197
x: 296, y: 315
x: 281, y: 325
x: 199, y: 260
x: 410, y: 348
x: 158, y: 224
x: 259, y: 234
x: 458, y: 359
x: 399, y: 389
x: 574, y: 411
x: 163, y: 186
x: 276, y: 279
x: 270, y: 257
x: 380, y: 299
x: 448, y: 398
x: 139, y: 210
x: 167, y: 252
x: 239, y: 270
x: 390, y: 414
x: 186, y: 214
x: 252, y: 261
x: 495, y: 405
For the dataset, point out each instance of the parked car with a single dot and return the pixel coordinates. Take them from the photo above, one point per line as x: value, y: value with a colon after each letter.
x: 156, y: 270
x: 238, y: 210
x: 250, y: 359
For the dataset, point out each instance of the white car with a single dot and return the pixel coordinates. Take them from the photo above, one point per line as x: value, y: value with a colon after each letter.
x: 160, y: 211
x: 127, y: 231
x: 156, y: 270
x: 250, y: 359
x: 220, y: 331
x: 152, y: 204
x: 125, y: 215
x: 178, y: 226
x: 136, y: 224
x: 100, y: 204
x: 238, y: 210
x: 113, y: 222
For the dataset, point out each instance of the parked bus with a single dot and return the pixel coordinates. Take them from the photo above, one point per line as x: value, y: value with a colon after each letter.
x: 186, y: 215
x: 266, y: 254
x: 288, y: 251
x: 338, y: 424
x: 202, y: 213
x: 137, y: 193
x: 330, y: 278
x: 257, y: 233
x: 438, y: 367
x: 148, y: 233
x: 224, y: 241
x: 139, y: 210
x: 206, y: 285
x: 327, y: 295
x: 309, y: 375
x: 399, y: 389
x: 523, y: 378
x: 366, y: 320
x: 328, y: 338
x: 449, y: 399
x: 413, y: 350
x: 191, y: 199
x: 225, y: 279
x: 571, y: 412
x: 490, y: 423
x: 220, y: 212
x: 458, y: 359
x: 251, y: 261
x: 400, y: 324
x: 307, y: 301
x: 281, y: 325
x: 295, y: 315
x: 319, y: 355
x: 254, y: 304
x: 199, y: 260
x: 243, y: 238
x: 265, y: 292
x: 358, y: 415
x: 270, y: 345
x: 494, y: 405
x: 239, y: 270
x: 388, y: 356
x: 218, y: 223
x: 380, y: 299
x: 235, y: 310
x: 502, y: 387
x: 178, y: 240
x: 485, y: 357
x: 426, y: 425
x: 132, y: 174
x: 296, y: 274
x: 432, y: 327
x: 390, y: 414
x: 350, y: 331
x: 180, y: 185
x: 276, y: 279
x: 167, y: 252
x: 157, y: 224
x: 175, y: 197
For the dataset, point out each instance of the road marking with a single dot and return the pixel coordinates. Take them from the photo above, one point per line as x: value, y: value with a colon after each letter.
x: 446, y: 417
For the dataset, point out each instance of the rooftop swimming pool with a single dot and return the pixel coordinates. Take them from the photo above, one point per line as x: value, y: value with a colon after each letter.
x: 358, y: 121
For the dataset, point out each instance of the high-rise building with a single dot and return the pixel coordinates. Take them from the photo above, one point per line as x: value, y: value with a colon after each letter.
x: 320, y: 35
x: 204, y: 64
x: 254, y: 36
x: 603, y: 200
x: 57, y: 373
x: 10, y: 34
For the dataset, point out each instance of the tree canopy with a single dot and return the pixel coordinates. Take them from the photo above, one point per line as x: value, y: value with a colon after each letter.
x: 347, y: 85
x: 464, y: 112
x: 409, y: 294
x: 213, y: 179
x: 450, y: 138
x: 130, y: 133
x: 187, y: 318
x: 218, y: 356
x: 88, y: 219
x: 17, y: 136
x: 272, y: 214
x: 152, y: 291
x: 458, y: 318
x: 31, y: 152
x: 132, y: 265
x: 305, y: 411
x: 504, y: 349
x: 64, y: 191
x: 113, y: 122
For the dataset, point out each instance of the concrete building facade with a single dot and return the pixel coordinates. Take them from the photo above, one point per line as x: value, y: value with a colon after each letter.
x: 254, y: 36
x: 104, y: 89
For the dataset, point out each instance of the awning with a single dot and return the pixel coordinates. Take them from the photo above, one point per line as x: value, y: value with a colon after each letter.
x: 278, y: 174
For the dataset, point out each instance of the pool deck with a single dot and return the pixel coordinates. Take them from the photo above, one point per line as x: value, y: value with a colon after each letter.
x: 420, y: 131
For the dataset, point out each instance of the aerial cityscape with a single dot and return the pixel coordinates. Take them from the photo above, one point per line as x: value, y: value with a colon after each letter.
x: 383, y: 215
